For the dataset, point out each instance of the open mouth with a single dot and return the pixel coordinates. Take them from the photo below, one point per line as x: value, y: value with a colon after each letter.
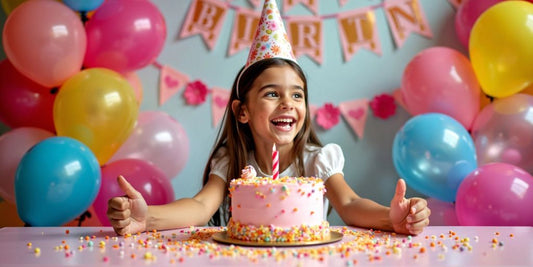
x: 284, y: 123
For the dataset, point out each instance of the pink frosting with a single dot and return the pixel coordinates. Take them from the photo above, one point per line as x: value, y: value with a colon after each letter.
x: 284, y: 202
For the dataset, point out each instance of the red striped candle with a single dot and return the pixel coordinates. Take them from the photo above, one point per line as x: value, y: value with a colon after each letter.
x: 275, y: 162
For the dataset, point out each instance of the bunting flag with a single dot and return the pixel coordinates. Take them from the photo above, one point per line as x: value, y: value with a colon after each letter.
x: 243, y: 32
x: 398, y: 97
x: 310, y: 4
x: 170, y: 82
x: 305, y: 34
x: 205, y: 17
x: 342, y: 2
x: 358, y: 29
x: 456, y: 3
x: 355, y: 113
x: 405, y: 17
x: 219, y: 100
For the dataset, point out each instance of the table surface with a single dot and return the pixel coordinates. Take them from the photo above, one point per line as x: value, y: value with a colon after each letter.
x: 194, y: 246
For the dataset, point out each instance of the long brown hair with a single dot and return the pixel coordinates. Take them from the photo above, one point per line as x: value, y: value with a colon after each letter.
x: 237, y: 137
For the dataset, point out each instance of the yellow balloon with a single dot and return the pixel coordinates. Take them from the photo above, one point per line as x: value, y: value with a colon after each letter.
x: 501, y: 48
x: 96, y: 106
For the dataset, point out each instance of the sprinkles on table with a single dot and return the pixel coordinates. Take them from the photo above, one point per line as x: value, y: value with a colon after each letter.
x: 371, y: 245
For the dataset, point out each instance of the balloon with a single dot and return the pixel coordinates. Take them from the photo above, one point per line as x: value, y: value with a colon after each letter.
x: 152, y: 183
x: 135, y: 82
x: 467, y: 14
x: 434, y: 152
x: 157, y: 138
x: 97, y: 107
x: 13, y: 145
x: 496, y: 194
x: 441, y: 80
x: 83, y: 5
x: 503, y: 131
x: 442, y: 213
x: 500, y: 48
x: 124, y: 35
x: 23, y: 102
x: 56, y: 181
x: 45, y: 41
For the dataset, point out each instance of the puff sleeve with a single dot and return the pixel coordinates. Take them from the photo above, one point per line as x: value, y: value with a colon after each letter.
x: 329, y: 161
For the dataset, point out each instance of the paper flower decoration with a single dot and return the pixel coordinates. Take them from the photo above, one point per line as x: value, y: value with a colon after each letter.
x: 383, y: 106
x: 195, y: 93
x: 327, y: 116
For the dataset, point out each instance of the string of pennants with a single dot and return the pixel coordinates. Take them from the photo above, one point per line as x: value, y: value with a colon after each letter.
x: 205, y: 17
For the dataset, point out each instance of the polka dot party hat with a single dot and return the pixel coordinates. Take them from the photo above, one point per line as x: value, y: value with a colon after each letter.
x: 271, y: 40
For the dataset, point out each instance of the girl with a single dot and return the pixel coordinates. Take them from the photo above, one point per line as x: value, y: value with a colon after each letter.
x: 268, y: 104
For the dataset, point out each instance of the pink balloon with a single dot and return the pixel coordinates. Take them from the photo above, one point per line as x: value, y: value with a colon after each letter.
x: 495, y: 194
x: 13, y: 145
x: 153, y: 185
x: 503, y: 130
x: 157, y: 138
x: 124, y: 35
x: 23, y: 102
x: 442, y: 213
x: 467, y: 14
x: 441, y: 80
x: 45, y: 40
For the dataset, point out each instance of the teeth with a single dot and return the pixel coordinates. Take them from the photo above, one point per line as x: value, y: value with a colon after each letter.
x: 283, y: 120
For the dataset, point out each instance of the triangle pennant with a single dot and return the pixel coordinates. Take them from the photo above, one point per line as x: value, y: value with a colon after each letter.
x: 170, y: 82
x: 219, y: 101
x: 404, y: 17
x: 398, y: 97
x: 355, y: 113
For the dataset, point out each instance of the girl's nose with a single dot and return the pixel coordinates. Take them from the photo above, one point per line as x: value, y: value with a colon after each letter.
x: 287, y: 103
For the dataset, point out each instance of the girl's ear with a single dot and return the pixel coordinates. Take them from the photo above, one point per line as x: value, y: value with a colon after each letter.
x: 239, y: 111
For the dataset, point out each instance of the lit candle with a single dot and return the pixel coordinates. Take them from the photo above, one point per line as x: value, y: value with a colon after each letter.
x: 275, y: 162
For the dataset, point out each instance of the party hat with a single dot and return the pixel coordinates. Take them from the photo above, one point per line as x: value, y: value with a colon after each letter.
x: 271, y: 40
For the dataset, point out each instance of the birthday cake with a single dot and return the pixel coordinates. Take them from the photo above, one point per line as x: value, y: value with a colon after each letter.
x: 286, y: 209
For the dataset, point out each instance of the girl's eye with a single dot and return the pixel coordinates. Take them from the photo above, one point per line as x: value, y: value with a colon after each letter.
x: 271, y: 94
x: 298, y: 95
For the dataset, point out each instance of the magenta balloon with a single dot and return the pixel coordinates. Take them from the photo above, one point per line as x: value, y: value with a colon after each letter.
x: 467, y: 14
x: 503, y: 131
x: 24, y: 102
x: 495, y: 194
x: 442, y: 213
x: 13, y: 145
x: 152, y: 183
x: 45, y: 40
x: 124, y: 35
x: 157, y: 138
x: 441, y: 80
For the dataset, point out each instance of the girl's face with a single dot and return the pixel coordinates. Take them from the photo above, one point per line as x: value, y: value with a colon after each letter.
x: 275, y: 107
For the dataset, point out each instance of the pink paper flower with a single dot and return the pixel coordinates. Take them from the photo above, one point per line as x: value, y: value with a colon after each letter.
x: 327, y: 116
x: 383, y: 106
x: 195, y: 93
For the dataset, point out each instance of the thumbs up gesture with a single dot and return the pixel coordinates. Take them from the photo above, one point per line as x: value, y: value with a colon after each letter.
x: 127, y: 213
x: 408, y: 216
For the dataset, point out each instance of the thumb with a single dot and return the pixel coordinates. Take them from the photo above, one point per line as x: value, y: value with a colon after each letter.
x: 399, y: 195
x: 128, y: 188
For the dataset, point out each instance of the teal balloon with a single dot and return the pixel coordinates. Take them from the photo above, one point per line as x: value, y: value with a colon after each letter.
x: 434, y: 153
x: 56, y: 181
x: 83, y: 5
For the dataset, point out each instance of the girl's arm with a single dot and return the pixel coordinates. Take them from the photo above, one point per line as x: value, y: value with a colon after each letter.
x: 195, y: 211
x: 129, y: 214
x: 406, y: 216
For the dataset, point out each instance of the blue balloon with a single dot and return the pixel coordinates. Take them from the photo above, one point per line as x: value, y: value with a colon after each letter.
x: 434, y: 153
x: 83, y: 5
x: 56, y: 181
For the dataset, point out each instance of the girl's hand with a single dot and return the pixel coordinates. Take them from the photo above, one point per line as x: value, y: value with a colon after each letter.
x: 408, y: 216
x: 128, y: 213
